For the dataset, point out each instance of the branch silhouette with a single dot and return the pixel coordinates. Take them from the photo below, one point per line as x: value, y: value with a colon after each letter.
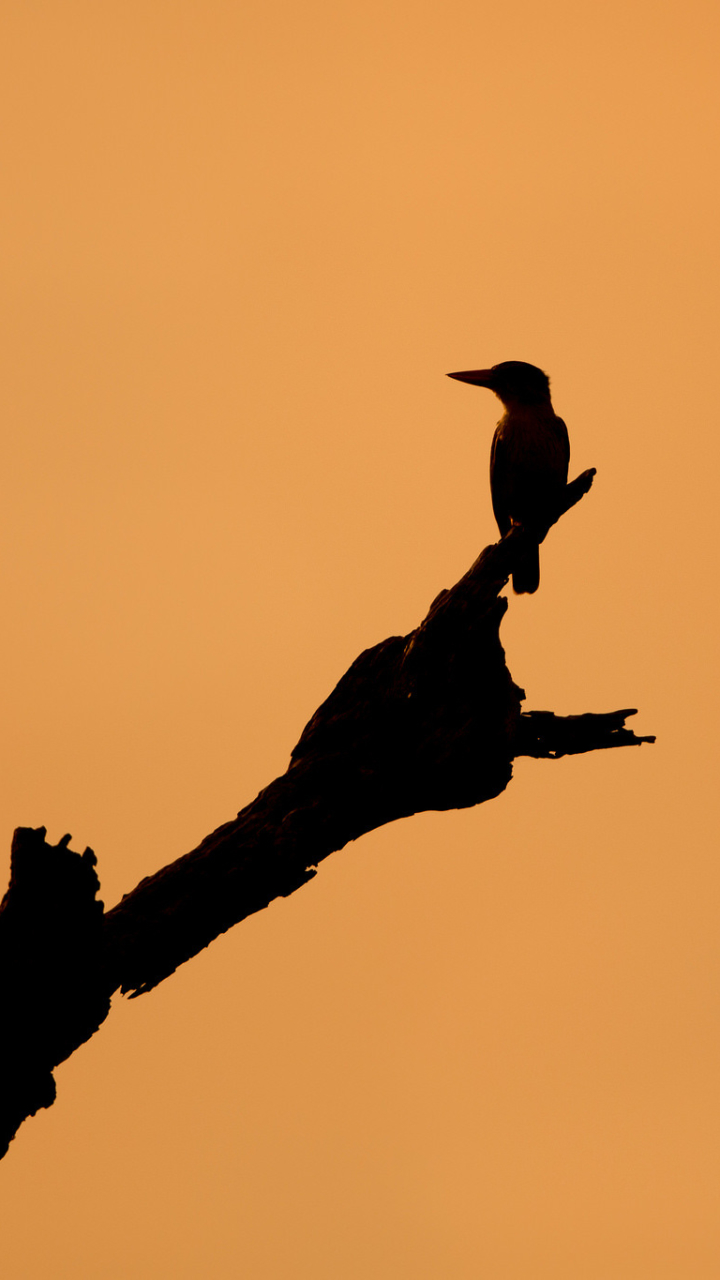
x: 431, y: 720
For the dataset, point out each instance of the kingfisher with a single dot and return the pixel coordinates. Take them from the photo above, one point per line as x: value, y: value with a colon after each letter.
x: 529, y: 459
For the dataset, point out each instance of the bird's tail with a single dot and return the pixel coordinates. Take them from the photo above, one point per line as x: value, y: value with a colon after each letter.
x: 526, y: 575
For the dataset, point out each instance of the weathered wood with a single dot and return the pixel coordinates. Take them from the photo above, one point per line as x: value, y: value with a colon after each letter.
x: 54, y: 992
x: 431, y: 720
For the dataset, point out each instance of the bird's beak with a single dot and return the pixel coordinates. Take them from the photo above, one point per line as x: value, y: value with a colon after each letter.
x: 478, y: 377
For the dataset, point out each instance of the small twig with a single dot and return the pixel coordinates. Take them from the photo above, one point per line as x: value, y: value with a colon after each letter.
x: 545, y: 736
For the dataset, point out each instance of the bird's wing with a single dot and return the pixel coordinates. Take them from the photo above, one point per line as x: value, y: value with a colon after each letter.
x: 564, y: 441
x: 499, y: 482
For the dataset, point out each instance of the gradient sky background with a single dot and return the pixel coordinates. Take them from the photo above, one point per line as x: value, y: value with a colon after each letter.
x: 241, y: 245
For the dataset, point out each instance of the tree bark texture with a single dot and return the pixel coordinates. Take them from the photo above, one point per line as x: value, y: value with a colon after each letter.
x: 431, y: 720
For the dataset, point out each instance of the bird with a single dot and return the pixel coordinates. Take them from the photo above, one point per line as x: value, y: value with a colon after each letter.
x: 529, y: 459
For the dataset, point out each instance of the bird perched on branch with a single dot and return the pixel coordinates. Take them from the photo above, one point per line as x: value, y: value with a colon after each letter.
x: 528, y: 461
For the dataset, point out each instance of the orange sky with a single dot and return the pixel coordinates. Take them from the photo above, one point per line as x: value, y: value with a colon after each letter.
x: 240, y: 246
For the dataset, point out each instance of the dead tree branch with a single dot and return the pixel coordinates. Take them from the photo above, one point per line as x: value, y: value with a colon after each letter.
x: 431, y: 720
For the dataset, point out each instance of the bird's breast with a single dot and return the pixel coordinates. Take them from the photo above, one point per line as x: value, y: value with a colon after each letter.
x: 533, y: 442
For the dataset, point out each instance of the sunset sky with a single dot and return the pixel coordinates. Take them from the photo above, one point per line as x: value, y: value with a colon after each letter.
x: 241, y: 244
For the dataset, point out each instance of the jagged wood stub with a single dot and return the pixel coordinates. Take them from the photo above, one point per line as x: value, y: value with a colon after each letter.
x: 431, y: 720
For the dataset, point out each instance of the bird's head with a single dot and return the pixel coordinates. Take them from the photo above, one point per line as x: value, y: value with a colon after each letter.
x: 513, y: 381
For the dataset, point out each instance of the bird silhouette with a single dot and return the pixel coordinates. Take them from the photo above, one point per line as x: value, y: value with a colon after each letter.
x: 529, y: 458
